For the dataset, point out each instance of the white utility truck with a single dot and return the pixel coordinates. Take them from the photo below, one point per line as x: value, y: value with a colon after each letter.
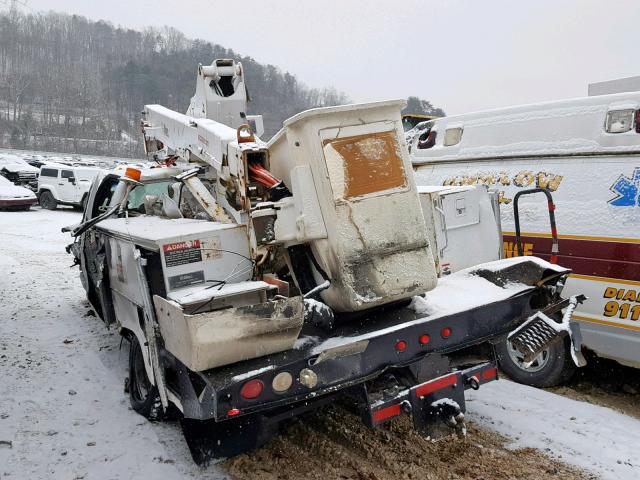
x: 586, y: 152
x: 256, y: 281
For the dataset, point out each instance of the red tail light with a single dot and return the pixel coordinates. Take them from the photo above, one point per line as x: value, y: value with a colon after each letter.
x: 424, y: 339
x: 445, y: 332
x: 233, y: 412
x: 252, y: 389
x: 401, y: 346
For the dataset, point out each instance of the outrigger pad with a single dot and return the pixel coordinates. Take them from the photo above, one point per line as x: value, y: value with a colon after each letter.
x: 540, y: 331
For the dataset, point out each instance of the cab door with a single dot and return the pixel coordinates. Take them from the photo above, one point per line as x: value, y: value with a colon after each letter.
x: 67, y: 186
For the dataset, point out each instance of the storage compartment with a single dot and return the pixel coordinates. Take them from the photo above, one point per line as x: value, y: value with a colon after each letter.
x: 212, y: 339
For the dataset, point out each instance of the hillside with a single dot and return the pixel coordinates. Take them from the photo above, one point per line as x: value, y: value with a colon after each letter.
x: 70, y: 84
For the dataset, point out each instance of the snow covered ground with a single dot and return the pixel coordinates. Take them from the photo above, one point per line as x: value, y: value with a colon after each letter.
x: 594, y: 438
x: 64, y: 414
x: 62, y: 404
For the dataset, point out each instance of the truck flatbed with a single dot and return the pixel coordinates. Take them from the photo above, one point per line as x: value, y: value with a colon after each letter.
x: 466, y: 309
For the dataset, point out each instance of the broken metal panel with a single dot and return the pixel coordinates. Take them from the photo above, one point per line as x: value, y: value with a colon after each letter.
x: 211, y: 339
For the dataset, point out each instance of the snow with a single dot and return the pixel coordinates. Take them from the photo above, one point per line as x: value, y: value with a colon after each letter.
x: 323, y: 286
x: 8, y: 190
x: 61, y: 158
x: 560, y: 127
x: 63, y: 372
x: 252, y: 373
x: 509, y: 262
x: 63, y: 377
x: 588, y: 436
x: 454, y: 293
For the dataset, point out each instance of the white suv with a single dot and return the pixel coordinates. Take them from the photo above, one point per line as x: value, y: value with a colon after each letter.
x: 64, y: 185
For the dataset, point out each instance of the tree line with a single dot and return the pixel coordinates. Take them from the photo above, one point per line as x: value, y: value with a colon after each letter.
x: 72, y: 84
x: 66, y: 77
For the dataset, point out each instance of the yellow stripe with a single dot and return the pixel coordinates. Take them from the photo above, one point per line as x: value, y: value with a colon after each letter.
x: 577, y: 237
x: 635, y: 328
x: 605, y: 279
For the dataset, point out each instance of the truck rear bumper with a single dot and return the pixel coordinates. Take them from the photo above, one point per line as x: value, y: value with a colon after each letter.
x: 433, y: 404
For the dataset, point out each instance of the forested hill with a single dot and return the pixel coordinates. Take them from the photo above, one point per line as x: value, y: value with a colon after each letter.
x: 76, y: 85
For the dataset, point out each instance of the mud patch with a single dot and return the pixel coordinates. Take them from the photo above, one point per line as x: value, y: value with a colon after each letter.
x: 335, y: 444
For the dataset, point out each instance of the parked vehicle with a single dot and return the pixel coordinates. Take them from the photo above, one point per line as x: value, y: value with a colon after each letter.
x: 586, y: 151
x: 18, y: 171
x: 258, y: 281
x: 63, y: 185
x: 14, y: 197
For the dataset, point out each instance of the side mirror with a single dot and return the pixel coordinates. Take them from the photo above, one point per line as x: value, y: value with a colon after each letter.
x: 72, y: 180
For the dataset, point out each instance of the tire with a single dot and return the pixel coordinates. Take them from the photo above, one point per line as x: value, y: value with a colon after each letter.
x: 552, y: 367
x: 48, y: 201
x: 143, y: 396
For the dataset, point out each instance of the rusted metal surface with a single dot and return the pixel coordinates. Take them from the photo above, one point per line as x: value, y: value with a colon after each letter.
x: 372, y: 163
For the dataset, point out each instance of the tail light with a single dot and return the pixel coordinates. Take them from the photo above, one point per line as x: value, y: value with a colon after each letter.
x: 637, y: 121
x: 445, y: 332
x: 252, y: 389
x: 424, y: 339
x: 401, y: 346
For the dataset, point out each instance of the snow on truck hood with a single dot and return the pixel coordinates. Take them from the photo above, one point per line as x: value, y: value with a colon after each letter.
x: 9, y: 190
x: 14, y: 164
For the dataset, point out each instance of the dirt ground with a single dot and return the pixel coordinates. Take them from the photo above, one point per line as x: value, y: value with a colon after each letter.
x: 335, y: 444
x: 606, y: 383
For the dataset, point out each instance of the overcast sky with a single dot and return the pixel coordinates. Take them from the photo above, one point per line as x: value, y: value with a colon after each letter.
x: 463, y: 55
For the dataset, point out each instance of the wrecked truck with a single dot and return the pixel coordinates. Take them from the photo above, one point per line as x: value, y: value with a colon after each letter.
x: 257, y: 281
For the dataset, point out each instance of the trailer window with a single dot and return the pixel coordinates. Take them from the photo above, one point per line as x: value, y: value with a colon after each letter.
x: 364, y: 164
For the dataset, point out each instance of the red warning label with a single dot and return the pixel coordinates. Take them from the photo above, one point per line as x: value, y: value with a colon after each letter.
x: 182, y: 253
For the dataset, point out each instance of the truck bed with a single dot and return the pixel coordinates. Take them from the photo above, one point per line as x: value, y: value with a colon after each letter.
x: 467, y: 308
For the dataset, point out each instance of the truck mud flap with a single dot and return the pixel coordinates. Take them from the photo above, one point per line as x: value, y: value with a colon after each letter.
x: 211, y: 442
x: 437, y: 406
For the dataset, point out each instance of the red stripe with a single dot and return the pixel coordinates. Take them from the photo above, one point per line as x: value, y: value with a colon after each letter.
x: 589, y: 257
x: 489, y: 373
x: 385, y: 413
x: 437, y: 384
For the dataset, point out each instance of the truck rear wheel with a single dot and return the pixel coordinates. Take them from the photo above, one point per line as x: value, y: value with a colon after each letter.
x: 48, y: 201
x: 552, y: 367
x: 143, y: 395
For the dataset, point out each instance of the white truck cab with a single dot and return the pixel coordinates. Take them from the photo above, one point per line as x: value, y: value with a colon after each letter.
x: 64, y: 185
